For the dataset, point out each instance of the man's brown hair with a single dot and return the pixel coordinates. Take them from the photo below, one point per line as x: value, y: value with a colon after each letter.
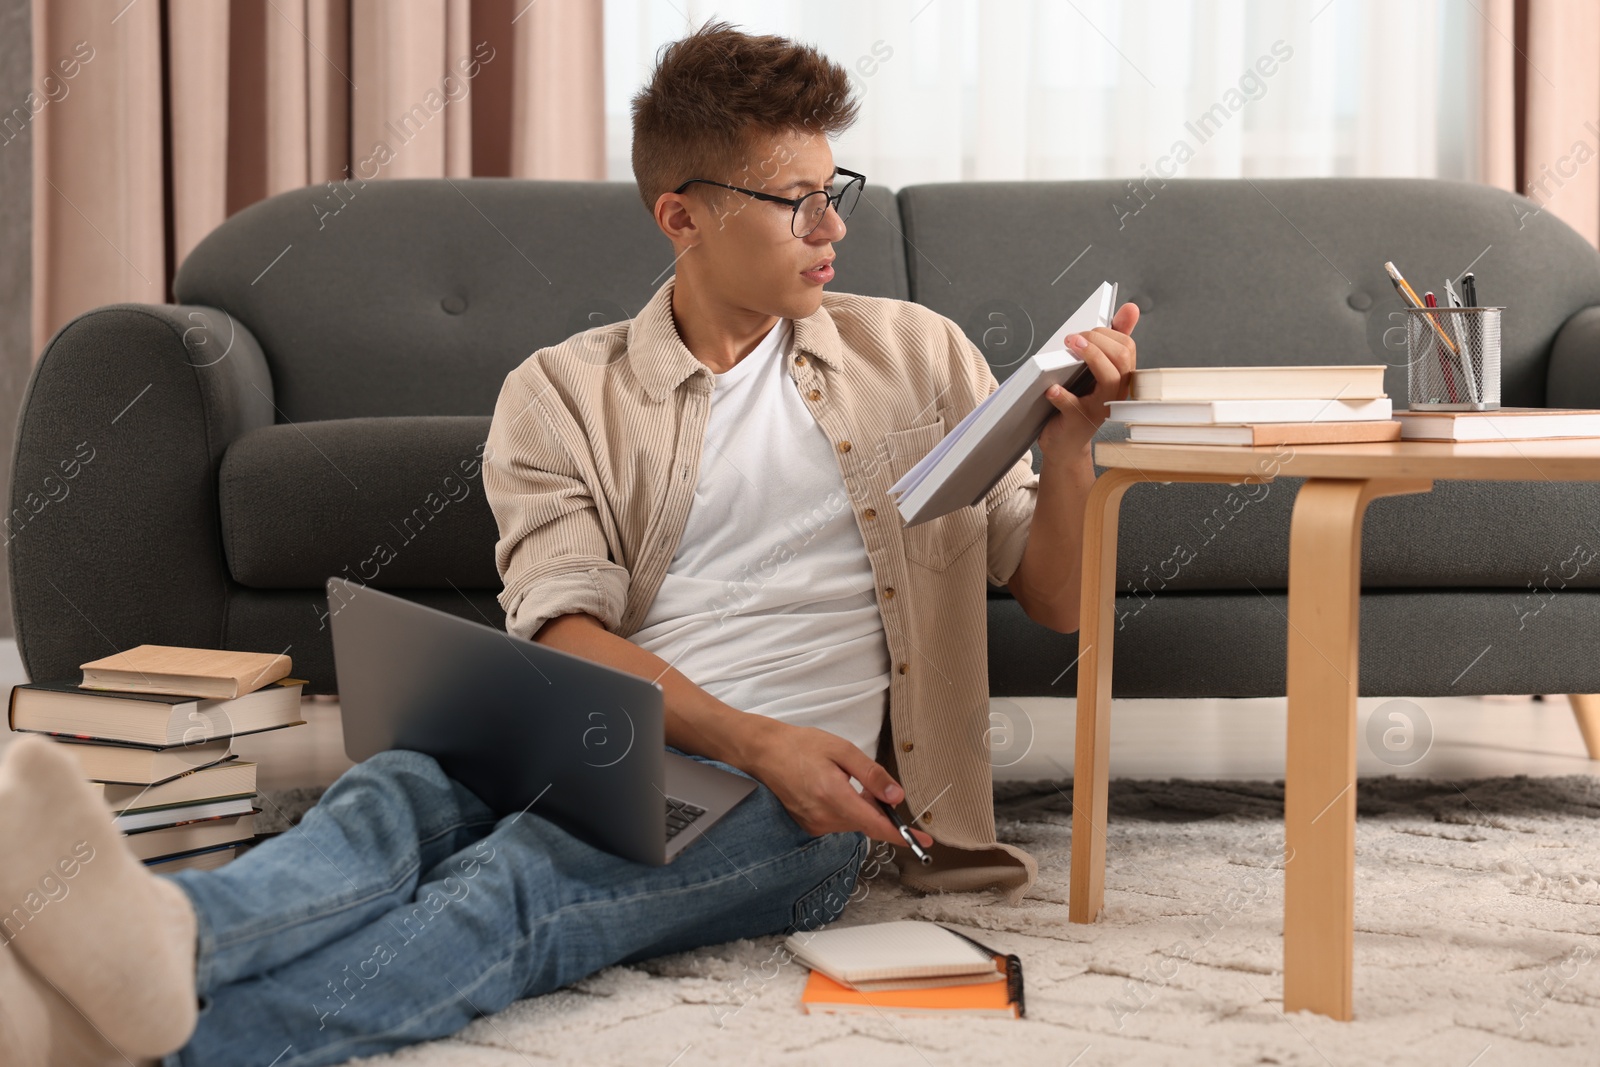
x: 717, y: 90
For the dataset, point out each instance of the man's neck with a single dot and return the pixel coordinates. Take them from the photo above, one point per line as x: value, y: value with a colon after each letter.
x: 715, y: 333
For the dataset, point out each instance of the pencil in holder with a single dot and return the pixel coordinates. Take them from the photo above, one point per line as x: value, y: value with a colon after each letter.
x: 1453, y: 358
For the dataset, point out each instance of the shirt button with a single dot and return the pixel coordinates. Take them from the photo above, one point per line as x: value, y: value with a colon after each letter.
x: 888, y: 592
x: 869, y: 514
x: 906, y: 746
x: 927, y: 816
x: 844, y: 446
x: 815, y: 394
x: 800, y: 361
x: 904, y: 667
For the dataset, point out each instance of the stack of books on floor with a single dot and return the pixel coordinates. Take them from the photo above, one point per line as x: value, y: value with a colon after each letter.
x: 1257, y: 406
x: 153, y: 729
x: 905, y: 968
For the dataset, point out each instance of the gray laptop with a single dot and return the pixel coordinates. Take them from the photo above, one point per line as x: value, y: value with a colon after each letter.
x: 524, y: 726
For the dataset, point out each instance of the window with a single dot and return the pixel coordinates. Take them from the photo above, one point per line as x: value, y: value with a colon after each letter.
x: 957, y: 90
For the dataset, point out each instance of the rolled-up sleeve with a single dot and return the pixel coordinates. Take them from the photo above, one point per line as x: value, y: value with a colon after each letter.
x: 1010, y: 502
x: 552, y: 553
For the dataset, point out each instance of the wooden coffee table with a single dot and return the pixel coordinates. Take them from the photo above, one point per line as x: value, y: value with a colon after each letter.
x: 1324, y: 613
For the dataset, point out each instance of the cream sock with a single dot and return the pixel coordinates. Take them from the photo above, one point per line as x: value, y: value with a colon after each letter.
x: 24, y: 1028
x: 38, y: 1028
x: 82, y: 911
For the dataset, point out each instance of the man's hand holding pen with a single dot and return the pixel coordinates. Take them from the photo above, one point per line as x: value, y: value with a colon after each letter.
x: 810, y: 770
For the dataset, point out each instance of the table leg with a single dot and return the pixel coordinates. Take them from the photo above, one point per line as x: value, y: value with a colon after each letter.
x: 1319, y: 782
x: 1091, y: 754
x: 1096, y: 625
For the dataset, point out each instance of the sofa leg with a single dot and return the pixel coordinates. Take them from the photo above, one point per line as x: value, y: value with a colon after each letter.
x: 1586, y: 709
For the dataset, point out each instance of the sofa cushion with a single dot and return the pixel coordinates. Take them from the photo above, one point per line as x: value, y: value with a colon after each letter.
x: 399, y: 503
x: 419, y: 296
x: 393, y: 503
x: 1509, y: 535
x: 1435, y: 642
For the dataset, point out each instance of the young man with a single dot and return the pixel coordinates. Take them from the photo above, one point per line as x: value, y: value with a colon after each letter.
x: 698, y: 496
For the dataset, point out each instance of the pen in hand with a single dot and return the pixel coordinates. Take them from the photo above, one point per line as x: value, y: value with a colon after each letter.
x: 905, y: 832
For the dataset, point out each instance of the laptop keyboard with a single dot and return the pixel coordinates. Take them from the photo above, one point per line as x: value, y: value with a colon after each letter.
x: 680, y: 813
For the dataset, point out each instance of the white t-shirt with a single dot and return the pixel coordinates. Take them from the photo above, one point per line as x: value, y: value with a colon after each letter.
x: 769, y: 603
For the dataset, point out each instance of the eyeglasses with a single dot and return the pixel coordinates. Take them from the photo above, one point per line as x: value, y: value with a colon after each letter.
x: 809, y: 209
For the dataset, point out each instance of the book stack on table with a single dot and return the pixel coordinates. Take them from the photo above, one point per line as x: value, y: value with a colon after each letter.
x: 153, y: 729
x: 1257, y: 406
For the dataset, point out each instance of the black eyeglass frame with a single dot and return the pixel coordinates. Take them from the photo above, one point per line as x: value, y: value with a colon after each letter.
x: 794, y: 202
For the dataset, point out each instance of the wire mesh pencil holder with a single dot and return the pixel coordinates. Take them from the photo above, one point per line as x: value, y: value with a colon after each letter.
x: 1453, y: 359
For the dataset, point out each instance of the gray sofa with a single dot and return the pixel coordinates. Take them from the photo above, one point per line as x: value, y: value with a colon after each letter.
x: 316, y: 402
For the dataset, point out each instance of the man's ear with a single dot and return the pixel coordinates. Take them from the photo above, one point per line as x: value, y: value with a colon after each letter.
x: 674, y: 219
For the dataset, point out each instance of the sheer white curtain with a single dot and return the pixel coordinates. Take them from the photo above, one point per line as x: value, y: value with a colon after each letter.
x: 1046, y: 89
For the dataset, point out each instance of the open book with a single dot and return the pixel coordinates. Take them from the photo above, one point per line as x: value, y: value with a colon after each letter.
x: 961, y: 469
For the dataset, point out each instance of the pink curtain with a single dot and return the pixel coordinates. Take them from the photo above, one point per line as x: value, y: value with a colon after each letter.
x: 167, y: 119
x: 1541, y: 106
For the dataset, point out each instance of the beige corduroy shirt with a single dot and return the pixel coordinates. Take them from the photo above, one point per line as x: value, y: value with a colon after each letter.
x: 593, y: 458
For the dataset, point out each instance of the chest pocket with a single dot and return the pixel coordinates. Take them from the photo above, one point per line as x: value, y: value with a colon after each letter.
x: 936, y: 543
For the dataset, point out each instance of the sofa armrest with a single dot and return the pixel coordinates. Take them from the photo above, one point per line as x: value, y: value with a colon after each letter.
x: 1573, y: 378
x: 113, y: 530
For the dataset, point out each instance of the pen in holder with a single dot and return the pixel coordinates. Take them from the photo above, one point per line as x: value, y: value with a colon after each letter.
x: 1453, y: 358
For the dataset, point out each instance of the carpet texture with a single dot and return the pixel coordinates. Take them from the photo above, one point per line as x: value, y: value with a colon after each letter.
x: 1477, y: 933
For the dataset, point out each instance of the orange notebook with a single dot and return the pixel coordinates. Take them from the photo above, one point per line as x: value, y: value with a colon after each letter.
x: 822, y: 995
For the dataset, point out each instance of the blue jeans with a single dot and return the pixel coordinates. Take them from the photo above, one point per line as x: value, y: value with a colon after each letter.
x: 400, y: 909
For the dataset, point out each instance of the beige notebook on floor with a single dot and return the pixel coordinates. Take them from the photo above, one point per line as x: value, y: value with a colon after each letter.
x: 905, y: 954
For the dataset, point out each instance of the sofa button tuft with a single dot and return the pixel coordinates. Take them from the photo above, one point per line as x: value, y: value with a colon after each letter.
x: 454, y: 305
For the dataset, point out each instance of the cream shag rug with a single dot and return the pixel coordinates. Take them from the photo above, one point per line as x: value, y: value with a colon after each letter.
x: 1477, y: 937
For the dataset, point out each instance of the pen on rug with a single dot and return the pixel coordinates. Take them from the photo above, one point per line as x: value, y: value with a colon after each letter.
x: 905, y: 832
